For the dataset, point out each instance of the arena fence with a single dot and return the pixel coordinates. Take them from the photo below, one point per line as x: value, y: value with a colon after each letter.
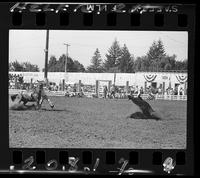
x: 49, y: 93
x: 120, y: 96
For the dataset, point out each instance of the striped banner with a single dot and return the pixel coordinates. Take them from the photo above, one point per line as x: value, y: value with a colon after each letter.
x: 181, y: 78
x: 150, y: 77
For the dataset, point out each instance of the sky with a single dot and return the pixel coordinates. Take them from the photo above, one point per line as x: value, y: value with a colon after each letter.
x: 29, y: 45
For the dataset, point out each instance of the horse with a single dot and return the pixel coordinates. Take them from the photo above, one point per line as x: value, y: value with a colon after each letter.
x: 147, y: 110
x: 22, y: 107
x: 37, y: 95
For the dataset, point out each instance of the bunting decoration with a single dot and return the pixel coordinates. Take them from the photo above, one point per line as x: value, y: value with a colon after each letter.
x: 150, y: 77
x: 181, y: 78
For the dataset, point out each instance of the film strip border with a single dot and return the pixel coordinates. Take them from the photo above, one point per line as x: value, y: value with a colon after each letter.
x: 111, y: 19
x: 100, y: 16
x: 102, y: 161
x: 98, y: 161
x: 40, y: 19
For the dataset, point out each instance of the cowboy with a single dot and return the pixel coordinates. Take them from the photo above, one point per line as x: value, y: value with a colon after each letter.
x: 42, y: 95
x: 112, y: 91
x: 37, y: 95
x: 105, y: 91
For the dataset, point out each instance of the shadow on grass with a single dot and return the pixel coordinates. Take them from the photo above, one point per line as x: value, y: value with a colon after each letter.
x: 46, y: 109
x: 34, y: 109
x: 158, y: 116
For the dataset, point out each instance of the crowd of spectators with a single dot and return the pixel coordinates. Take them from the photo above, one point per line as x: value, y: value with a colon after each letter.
x: 122, y: 92
x: 17, y: 82
x: 175, y: 91
x: 53, y: 87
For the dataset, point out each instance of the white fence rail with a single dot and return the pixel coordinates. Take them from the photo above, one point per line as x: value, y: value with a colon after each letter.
x: 90, y: 95
x: 49, y: 93
x: 168, y: 97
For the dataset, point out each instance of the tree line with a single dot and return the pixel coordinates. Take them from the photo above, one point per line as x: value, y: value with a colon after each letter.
x: 117, y: 59
x: 55, y: 65
x: 23, y: 67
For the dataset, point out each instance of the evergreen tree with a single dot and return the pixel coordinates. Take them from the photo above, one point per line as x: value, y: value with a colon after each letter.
x: 70, y: 65
x: 137, y: 64
x: 145, y: 64
x: 155, y: 55
x: 52, y: 64
x: 78, y: 67
x: 96, y: 61
x: 113, y: 56
x: 125, y: 61
x: 156, y: 50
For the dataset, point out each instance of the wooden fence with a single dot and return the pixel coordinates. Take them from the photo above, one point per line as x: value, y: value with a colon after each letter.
x: 90, y: 95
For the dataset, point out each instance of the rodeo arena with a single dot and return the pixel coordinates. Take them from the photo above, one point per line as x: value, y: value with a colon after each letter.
x: 94, y: 110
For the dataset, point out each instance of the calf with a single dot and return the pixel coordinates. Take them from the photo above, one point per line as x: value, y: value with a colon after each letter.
x: 147, y: 111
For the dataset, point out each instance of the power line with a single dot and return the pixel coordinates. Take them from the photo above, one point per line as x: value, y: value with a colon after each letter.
x: 46, y: 55
x: 181, y: 43
x: 67, y: 45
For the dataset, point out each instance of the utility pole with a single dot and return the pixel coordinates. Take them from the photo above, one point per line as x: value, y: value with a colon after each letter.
x: 46, y: 55
x: 67, y: 45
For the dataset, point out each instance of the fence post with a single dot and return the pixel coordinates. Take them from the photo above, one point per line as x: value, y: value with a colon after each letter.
x: 163, y: 90
x: 31, y: 85
x: 16, y: 83
x: 185, y: 88
x: 145, y: 86
x: 97, y: 88
x: 79, y: 86
x: 109, y: 85
x: 63, y: 84
x: 127, y: 87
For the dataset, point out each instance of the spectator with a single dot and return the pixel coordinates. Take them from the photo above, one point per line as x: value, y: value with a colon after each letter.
x: 74, y: 89
x: 159, y: 90
x: 136, y: 90
x: 82, y: 91
x: 176, y: 91
x: 112, y: 91
x: 181, y: 91
x: 132, y: 90
x: 105, y: 91
x: 167, y: 90
x: 60, y: 86
x: 141, y: 90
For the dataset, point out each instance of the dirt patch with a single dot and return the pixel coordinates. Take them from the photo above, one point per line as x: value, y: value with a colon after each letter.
x: 98, y: 123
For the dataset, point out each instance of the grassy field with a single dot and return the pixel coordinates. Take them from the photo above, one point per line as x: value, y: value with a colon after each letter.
x: 98, y: 123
